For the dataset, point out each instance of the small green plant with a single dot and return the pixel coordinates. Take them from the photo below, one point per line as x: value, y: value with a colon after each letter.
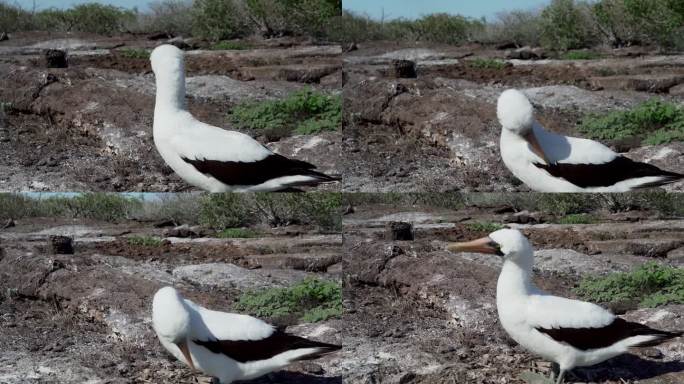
x: 651, y: 284
x: 655, y: 121
x: 578, y: 218
x: 229, y: 45
x: 134, y: 53
x: 484, y: 227
x: 483, y: 63
x: 311, y: 299
x: 233, y: 233
x: 144, y: 241
x: 303, y: 112
x: 580, y: 55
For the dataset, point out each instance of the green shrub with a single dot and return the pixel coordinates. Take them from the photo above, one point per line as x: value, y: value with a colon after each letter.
x: 134, y: 53
x: 311, y: 299
x: 303, y: 112
x: 13, y: 18
x: 655, y: 121
x: 658, y: 21
x: 320, y: 209
x: 519, y: 27
x: 237, y: 233
x: 97, y: 206
x: 650, y: 284
x: 566, y: 25
x: 484, y: 63
x: 577, y: 218
x: 285, y: 17
x: 446, y: 28
x: 562, y: 204
x: 233, y: 210
x: 580, y: 55
x: 484, y: 227
x: 218, y: 20
x: 144, y: 241
x: 173, y: 17
x: 99, y: 18
x: 53, y: 19
x: 229, y: 45
x: 225, y: 210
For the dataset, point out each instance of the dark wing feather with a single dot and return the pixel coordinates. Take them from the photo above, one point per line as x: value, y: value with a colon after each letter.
x: 258, y: 172
x: 607, y: 174
x: 253, y: 350
x: 593, y: 338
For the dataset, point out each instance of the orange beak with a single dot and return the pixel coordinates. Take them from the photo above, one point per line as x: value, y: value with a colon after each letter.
x: 183, y: 346
x: 535, y: 146
x: 483, y: 245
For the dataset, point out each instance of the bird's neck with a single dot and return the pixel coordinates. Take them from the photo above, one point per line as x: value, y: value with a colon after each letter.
x: 515, y: 279
x: 170, y: 91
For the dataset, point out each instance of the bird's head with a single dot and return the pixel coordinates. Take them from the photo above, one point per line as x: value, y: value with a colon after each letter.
x: 507, y: 243
x: 167, y: 59
x: 171, y: 320
x: 516, y: 115
x: 515, y: 112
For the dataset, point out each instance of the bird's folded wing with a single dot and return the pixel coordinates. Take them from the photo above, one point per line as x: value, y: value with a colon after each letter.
x: 546, y: 311
x: 236, y: 159
x: 275, y: 344
x: 587, y: 175
x: 208, y: 324
x: 205, y: 142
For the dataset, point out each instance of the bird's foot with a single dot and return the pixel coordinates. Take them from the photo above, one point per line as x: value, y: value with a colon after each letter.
x: 207, y: 380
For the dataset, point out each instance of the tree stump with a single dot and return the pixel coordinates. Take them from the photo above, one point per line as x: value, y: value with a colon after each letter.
x: 61, y: 245
x: 398, y: 230
x: 56, y: 58
x: 404, y: 69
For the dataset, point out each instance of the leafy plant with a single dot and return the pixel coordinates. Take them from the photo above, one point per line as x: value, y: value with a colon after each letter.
x: 651, y: 284
x: 655, y: 121
x: 577, y: 218
x: 484, y: 227
x: 484, y: 63
x: 303, y: 112
x: 144, y: 241
x: 566, y: 25
x: 311, y: 299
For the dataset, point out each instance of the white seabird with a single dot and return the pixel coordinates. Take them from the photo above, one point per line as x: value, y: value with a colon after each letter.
x: 209, y: 157
x: 548, y: 162
x: 224, y: 345
x: 568, y: 332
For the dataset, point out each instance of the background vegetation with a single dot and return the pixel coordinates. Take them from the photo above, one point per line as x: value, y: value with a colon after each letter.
x: 575, y: 205
x: 311, y: 300
x: 649, y: 285
x: 212, y: 20
x: 560, y: 26
x: 222, y: 212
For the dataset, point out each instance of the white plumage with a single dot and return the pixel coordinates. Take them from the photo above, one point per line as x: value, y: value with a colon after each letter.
x: 209, y: 157
x: 568, y: 332
x: 224, y: 345
x: 548, y: 162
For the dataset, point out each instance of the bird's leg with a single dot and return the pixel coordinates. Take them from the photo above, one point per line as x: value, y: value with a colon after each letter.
x: 560, y: 377
x: 555, y: 371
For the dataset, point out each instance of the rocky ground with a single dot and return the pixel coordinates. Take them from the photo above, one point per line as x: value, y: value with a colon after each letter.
x: 86, y: 317
x: 416, y: 313
x: 88, y: 127
x: 439, y: 132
